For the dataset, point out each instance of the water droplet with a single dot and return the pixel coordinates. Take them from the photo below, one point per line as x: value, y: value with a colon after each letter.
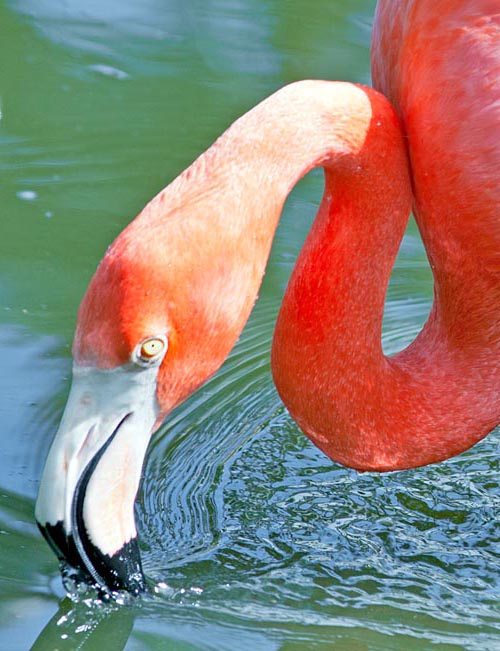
x: 196, y: 590
x: 109, y: 71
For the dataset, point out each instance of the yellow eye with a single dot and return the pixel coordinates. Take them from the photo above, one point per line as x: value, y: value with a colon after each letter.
x: 151, y: 348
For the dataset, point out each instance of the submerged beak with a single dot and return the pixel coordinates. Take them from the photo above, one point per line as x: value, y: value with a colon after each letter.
x: 85, y: 505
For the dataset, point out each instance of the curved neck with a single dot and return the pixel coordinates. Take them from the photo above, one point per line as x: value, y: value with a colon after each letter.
x: 361, y: 408
x: 230, y: 201
x: 435, y: 398
x: 328, y: 335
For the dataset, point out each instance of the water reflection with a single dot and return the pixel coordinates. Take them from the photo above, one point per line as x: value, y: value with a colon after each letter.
x: 86, y: 626
x: 84, y: 623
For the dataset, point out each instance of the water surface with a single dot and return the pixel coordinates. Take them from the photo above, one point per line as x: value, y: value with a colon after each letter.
x: 252, y: 537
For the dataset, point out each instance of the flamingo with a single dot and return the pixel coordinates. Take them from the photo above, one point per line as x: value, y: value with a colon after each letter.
x: 173, y: 292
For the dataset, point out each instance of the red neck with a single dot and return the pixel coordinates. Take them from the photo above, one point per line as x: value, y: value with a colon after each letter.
x: 429, y: 402
x: 434, y: 399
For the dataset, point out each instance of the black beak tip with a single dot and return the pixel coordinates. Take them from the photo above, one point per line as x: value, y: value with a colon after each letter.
x: 83, y: 564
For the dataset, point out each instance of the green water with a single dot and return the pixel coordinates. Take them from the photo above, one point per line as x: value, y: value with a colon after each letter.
x: 253, y: 538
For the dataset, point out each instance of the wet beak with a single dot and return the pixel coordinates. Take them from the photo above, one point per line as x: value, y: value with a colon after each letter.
x: 85, y: 505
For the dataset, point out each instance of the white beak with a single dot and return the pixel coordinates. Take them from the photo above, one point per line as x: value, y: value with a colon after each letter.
x: 85, y: 505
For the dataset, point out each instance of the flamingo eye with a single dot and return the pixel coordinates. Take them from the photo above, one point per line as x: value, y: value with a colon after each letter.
x: 151, y: 350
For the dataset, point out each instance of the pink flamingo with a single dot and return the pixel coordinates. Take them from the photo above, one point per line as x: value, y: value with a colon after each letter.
x: 175, y: 289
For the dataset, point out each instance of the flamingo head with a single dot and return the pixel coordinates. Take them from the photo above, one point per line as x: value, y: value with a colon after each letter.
x: 151, y: 328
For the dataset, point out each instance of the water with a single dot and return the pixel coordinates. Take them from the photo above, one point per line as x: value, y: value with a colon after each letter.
x: 251, y: 537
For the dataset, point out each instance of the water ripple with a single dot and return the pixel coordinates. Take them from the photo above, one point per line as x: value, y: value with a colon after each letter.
x: 243, y: 517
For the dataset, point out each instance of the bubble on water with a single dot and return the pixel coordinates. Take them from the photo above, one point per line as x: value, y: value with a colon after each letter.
x: 27, y: 195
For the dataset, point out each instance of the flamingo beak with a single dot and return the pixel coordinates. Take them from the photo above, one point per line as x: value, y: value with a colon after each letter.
x: 85, y: 505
